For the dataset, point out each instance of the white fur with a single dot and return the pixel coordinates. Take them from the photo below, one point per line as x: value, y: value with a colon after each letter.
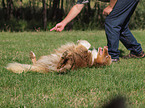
x: 18, y: 68
x: 84, y: 43
x: 94, y: 55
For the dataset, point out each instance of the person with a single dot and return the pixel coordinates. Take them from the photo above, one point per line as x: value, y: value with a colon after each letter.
x: 118, y: 14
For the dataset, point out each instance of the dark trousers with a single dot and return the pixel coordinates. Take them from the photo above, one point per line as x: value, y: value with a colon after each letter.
x: 116, y: 28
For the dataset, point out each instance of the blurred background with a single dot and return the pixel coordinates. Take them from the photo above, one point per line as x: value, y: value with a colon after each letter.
x: 41, y: 15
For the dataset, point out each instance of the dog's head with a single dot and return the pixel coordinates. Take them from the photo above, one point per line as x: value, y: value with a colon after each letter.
x: 103, y: 57
x: 65, y: 62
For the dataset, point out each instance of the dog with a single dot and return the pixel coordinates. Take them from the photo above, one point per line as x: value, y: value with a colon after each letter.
x: 68, y: 57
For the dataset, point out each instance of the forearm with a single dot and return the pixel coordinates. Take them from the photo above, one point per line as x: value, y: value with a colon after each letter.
x: 112, y: 3
x: 75, y: 10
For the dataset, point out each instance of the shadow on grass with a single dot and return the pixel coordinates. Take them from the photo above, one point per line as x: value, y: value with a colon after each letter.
x: 121, y: 53
x: 116, y: 102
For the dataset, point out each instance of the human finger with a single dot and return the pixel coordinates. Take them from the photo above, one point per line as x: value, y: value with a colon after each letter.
x: 53, y: 29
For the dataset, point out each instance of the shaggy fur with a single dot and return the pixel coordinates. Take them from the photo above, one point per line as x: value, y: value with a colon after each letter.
x: 68, y: 57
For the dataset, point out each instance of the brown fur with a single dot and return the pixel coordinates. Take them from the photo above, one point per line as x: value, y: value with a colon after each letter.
x: 103, y: 57
x: 77, y: 58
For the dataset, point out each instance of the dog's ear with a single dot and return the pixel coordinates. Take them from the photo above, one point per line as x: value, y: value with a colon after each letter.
x: 64, y: 59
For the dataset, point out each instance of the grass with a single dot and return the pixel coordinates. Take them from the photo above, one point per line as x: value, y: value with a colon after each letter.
x: 88, y: 87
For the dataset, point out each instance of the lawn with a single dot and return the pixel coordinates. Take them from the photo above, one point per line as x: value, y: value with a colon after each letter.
x: 88, y: 87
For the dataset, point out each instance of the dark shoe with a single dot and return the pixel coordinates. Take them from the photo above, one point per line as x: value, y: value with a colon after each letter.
x: 141, y: 55
x: 115, y: 60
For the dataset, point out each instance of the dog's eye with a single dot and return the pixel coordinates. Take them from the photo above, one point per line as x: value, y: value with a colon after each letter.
x: 107, y: 56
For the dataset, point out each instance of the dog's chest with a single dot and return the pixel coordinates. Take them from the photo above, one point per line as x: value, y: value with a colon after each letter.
x: 81, y: 58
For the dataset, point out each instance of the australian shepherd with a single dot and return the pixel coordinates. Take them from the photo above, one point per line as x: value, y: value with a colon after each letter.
x: 68, y: 57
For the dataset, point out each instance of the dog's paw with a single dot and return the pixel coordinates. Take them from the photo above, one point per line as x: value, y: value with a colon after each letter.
x: 33, y: 57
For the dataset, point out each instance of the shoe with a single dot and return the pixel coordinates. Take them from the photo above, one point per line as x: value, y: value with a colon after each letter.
x: 115, y: 60
x: 141, y: 55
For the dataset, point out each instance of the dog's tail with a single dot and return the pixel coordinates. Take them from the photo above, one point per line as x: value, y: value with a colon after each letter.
x: 18, y: 68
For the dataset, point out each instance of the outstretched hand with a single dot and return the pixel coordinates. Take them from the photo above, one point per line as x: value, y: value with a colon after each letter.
x: 59, y: 27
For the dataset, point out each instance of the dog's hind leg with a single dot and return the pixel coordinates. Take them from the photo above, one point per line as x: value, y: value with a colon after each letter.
x: 33, y: 57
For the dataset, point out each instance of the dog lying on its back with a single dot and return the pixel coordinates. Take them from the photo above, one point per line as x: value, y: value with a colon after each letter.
x: 68, y: 57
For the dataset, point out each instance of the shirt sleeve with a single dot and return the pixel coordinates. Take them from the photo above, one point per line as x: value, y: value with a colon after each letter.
x: 82, y: 1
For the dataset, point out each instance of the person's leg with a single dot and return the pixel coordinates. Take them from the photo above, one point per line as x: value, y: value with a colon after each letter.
x: 130, y: 42
x: 112, y: 33
x: 127, y: 38
x: 114, y: 24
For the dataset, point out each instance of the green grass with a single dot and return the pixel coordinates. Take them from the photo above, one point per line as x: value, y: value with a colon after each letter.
x: 88, y: 87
